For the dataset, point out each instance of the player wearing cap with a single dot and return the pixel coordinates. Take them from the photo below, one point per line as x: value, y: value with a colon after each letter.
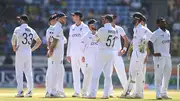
x: 89, y: 49
x: 22, y: 39
x: 74, y: 52
x: 49, y: 32
x: 56, y: 53
x: 140, y: 39
x: 105, y: 57
x: 119, y: 63
x: 160, y: 48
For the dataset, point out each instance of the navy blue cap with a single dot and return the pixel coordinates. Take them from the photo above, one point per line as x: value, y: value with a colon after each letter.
x: 23, y: 17
x: 137, y: 16
x: 78, y: 13
x: 91, y: 21
x: 60, y: 15
x: 52, y: 17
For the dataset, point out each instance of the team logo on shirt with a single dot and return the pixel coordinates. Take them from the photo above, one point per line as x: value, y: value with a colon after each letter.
x: 166, y: 41
x: 94, y: 43
x: 27, y: 29
x: 76, y: 35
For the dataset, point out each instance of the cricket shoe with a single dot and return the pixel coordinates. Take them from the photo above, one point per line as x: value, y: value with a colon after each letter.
x: 29, y: 94
x: 158, y: 97
x: 137, y: 97
x: 48, y: 95
x: 124, y: 95
x: 105, y: 97
x: 75, y: 95
x: 84, y: 95
x: 111, y: 96
x: 61, y: 95
x: 166, y: 97
x: 20, y: 94
x: 91, y: 97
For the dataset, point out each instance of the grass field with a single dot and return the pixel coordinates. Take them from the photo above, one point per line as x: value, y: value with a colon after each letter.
x: 7, y: 94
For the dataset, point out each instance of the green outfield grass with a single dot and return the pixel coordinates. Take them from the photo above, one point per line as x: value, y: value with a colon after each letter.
x: 7, y: 94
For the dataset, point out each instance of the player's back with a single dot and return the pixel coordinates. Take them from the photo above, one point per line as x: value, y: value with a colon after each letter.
x: 106, y: 36
x: 25, y: 36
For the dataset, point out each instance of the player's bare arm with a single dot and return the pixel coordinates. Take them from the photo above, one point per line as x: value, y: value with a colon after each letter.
x: 52, y: 46
x: 146, y: 58
x: 13, y: 42
x: 126, y: 42
x: 130, y: 51
x: 38, y: 43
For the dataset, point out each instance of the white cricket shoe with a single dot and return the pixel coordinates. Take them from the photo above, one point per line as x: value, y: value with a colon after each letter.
x: 48, y: 95
x: 84, y: 95
x: 158, y: 97
x: 29, y: 94
x: 76, y: 95
x: 105, y: 97
x: 60, y: 95
x: 166, y: 97
x: 20, y: 94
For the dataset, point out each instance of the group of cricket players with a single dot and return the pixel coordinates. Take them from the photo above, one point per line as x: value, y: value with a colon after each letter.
x: 95, y: 50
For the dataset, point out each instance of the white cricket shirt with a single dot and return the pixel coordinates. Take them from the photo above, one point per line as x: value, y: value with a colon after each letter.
x: 74, y: 41
x: 24, y: 35
x: 140, y: 38
x: 88, y: 45
x: 161, y: 42
x: 119, y: 32
x: 58, y: 52
x: 106, y: 37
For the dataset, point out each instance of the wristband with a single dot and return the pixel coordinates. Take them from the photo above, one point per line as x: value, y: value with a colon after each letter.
x: 124, y: 48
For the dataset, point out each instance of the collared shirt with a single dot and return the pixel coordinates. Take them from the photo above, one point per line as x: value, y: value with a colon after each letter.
x: 74, y: 40
x: 140, y: 38
x: 106, y: 37
x: 59, y: 35
x: 88, y: 45
x: 24, y: 36
x: 161, y: 42
x: 119, y: 32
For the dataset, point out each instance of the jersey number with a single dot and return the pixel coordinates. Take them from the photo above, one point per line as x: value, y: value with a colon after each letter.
x: 28, y: 38
x: 110, y: 41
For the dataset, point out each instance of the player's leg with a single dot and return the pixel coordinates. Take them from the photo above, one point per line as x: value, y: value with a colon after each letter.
x: 48, y: 77
x: 159, y: 64
x: 120, y: 69
x: 60, y: 79
x: 111, y: 92
x: 87, y: 72
x: 19, y: 65
x: 166, y: 77
x: 75, y: 63
x: 96, y: 72
x: 29, y: 75
x: 53, y: 78
x: 108, y: 80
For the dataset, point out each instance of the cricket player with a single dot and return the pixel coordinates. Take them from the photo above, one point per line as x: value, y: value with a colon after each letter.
x: 140, y: 39
x: 74, y: 53
x: 89, y: 49
x: 22, y: 39
x: 56, y: 53
x: 160, y: 48
x: 105, y: 58
x: 119, y: 63
x: 143, y: 22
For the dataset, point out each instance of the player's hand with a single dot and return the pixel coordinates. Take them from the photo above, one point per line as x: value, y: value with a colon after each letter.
x: 83, y: 59
x: 49, y: 53
x: 68, y: 58
x: 121, y: 52
x: 157, y: 54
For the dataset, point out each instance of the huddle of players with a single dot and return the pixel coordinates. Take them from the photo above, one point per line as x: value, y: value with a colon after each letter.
x: 95, y: 51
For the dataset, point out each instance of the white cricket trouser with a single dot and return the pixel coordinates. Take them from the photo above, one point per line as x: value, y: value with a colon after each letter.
x: 57, y: 76
x: 141, y: 87
x: 162, y: 71
x: 136, y: 74
x: 48, y: 75
x: 87, y: 71
x: 76, y: 64
x: 23, y: 64
x: 104, y: 63
x: 120, y: 70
